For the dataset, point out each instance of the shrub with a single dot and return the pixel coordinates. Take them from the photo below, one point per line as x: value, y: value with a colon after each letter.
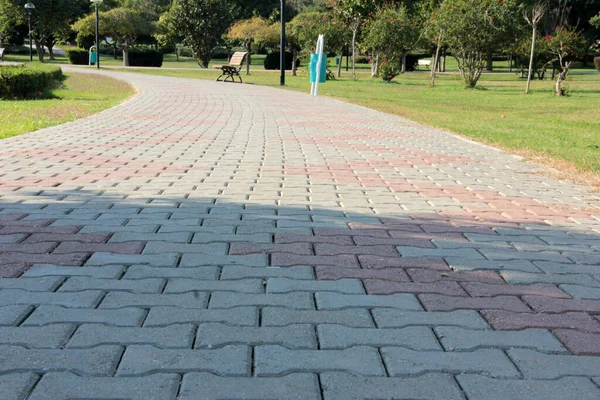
x: 78, y: 56
x: 272, y: 60
x: 20, y: 81
x: 145, y: 58
x: 412, y: 60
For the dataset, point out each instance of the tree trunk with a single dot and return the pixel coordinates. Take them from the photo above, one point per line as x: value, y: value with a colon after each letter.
x: 404, y: 62
x: 39, y: 48
x: 339, y: 71
x: 126, y: 56
x: 435, y: 63
x: 249, y: 50
x: 444, y: 62
x: 490, y: 60
x: 562, y: 76
x: 530, y: 71
x: 177, y: 53
x: 354, y: 31
x: 51, y: 51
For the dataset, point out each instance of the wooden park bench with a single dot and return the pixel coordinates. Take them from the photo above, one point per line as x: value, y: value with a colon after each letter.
x: 424, y: 63
x: 231, y: 70
x: 2, y: 54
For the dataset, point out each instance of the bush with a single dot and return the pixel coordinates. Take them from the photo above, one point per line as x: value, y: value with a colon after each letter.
x: 22, y: 81
x: 145, y: 58
x: 597, y: 63
x: 78, y: 56
x: 412, y: 60
x: 272, y: 60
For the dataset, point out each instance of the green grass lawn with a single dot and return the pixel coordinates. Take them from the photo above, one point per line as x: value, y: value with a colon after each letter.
x: 80, y: 95
x: 558, y: 132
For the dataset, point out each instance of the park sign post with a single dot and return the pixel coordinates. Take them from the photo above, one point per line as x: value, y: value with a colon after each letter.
x: 318, y: 67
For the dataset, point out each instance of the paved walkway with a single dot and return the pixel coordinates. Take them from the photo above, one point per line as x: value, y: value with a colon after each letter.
x: 219, y: 241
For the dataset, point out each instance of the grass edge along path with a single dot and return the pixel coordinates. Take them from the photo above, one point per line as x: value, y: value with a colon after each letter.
x: 562, y: 134
x: 80, y: 95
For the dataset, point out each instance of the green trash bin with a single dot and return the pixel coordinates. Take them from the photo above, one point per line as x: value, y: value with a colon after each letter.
x: 312, y: 66
x: 93, y: 57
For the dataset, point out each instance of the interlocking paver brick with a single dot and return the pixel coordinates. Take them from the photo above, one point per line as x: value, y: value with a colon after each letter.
x: 388, y: 318
x: 143, y: 360
x: 289, y: 300
x: 16, y: 385
x: 13, y: 315
x: 65, y: 385
x: 493, y: 362
x: 175, y: 336
x: 200, y: 260
x: 582, y: 292
x: 375, y: 286
x: 536, y: 365
x: 580, y: 343
x: 518, y: 278
x: 460, y: 339
x: 155, y: 260
x: 338, y: 301
x: 387, y: 274
x: 77, y: 283
x: 426, y: 275
x: 107, y: 272
x: 478, y: 387
x: 183, y: 300
x: 277, y: 360
x: 359, y: 318
x: 211, y: 387
x: 546, y: 305
x: 49, y: 336
x: 41, y: 284
x: 143, y: 271
x: 343, y: 337
x: 47, y: 314
x: 346, y: 386
x: 434, y: 302
x: 164, y: 316
x: 88, y: 298
x: 487, y: 290
x: 292, y: 336
x: 179, y: 285
x: 394, y: 262
x: 98, y: 361
x: 506, y: 320
x: 298, y: 272
x: 284, y: 285
x: 288, y: 260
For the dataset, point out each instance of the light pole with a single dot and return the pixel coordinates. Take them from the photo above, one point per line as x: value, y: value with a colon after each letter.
x: 282, y: 47
x: 30, y: 7
x: 97, y: 3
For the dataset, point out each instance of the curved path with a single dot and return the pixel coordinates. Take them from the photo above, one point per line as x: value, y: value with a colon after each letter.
x: 212, y: 241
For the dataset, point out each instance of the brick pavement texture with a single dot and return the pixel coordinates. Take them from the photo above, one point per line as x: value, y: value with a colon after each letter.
x: 213, y: 241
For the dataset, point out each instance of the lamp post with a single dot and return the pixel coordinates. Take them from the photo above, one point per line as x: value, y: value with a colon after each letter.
x: 30, y: 7
x: 282, y: 47
x: 97, y: 3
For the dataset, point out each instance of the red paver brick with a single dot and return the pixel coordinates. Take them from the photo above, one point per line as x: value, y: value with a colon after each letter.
x: 388, y: 274
x: 450, y: 236
x: 350, y: 232
x: 56, y: 259
x: 118, y: 248
x: 375, y: 286
x: 436, y: 263
x: 579, y: 343
x: 333, y: 250
x: 55, y: 237
x: 433, y: 302
x: 547, y: 305
x: 437, y: 228
x: 426, y: 275
x: 36, y: 222
x: 486, y: 290
x: 253, y: 248
x: 286, y: 238
x: 371, y: 241
x: 12, y: 270
x: 512, y: 321
x: 288, y: 260
x: 35, y: 248
x: 39, y: 229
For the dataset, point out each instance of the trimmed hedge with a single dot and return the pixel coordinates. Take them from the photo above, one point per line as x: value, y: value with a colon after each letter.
x: 78, y: 56
x: 145, y: 58
x: 272, y: 60
x: 22, y: 81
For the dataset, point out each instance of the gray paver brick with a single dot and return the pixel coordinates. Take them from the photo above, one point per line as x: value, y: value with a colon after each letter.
x: 284, y: 285
x: 515, y: 277
x: 412, y: 252
x: 277, y: 360
x: 212, y: 238
x: 55, y: 314
x: 582, y: 292
x: 493, y: 362
x: 155, y: 260
x: 175, y: 336
x: 210, y: 387
x: 170, y: 247
x: 16, y: 386
x: 143, y: 271
x: 99, y: 361
x: 233, y: 299
x: 176, y: 285
x: 479, y: 387
x: 38, y: 337
x: 41, y: 284
x: 64, y: 385
x: 292, y: 336
x: 228, y: 361
x: 345, y: 386
x: 161, y: 316
x: 343, y: 337
x: 536, y: 365
x: 13, y: 315
x: 176, y: 237
x: 79, y: 283
x: 199, y: 260
x: 298, y: 272
x: 83, y: 299
x: 338, y: 301
x: 184, y: 300
x: 386, y: 318
x: 108, y: 272
x: 276, y: 316
x: 455, y: 338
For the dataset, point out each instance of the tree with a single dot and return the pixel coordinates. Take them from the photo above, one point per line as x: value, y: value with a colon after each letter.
x: 249, y: 31
x: 391, y: 34
x: 533, y: 17
x: 167, y: 34
x: 201, y: 24
x: 595, y: 21
x: 470, y: 28
x: 123, y: 25
x: 541, y: 55
x: 10, y: 16
x: 565, y: 45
